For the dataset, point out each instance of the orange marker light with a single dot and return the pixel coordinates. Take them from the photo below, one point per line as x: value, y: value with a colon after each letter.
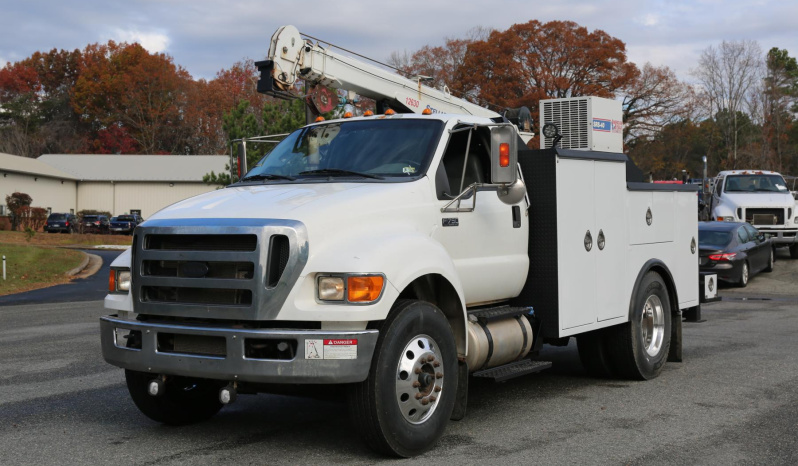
x: 390, y: 111
x: 112, y: 281
x: 348, y: 115
x: 368, y: 113
x: 364, y: 288
x: 319, y: 118
x: 426, y: 111
x: 504, y: 154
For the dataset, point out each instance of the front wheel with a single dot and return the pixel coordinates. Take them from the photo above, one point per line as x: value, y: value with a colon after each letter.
x: 403, y: 407
x: 185, y: 400
x: 639, y: 348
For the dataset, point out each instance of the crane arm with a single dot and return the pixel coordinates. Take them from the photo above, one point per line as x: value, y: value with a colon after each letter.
x: 291, y: 57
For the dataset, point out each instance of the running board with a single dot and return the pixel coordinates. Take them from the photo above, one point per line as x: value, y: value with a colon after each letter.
x: 491, y: 314
x: 513, y: 370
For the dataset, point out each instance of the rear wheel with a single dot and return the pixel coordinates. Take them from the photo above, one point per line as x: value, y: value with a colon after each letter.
x: 639, y: 348
x: 744, y: 275
x: 185, y: 400
x: 403, y: 407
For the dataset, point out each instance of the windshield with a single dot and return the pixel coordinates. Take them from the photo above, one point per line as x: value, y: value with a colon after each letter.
x: 371, y: 149
x: 755, y: 183
x: 717, y: 239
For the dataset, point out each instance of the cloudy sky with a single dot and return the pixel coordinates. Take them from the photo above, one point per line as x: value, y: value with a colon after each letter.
x: 205, y: 36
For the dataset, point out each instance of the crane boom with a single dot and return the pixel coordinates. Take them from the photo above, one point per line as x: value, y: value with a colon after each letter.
x: 291, y: 57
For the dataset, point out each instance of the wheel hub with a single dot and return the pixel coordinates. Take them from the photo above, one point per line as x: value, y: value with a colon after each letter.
x: 419, y: 379
x: 652, y: 325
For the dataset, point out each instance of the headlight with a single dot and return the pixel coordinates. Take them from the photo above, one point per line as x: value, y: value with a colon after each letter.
x: 119, y: 281
x: 350, y: 288
x: 331, y: 288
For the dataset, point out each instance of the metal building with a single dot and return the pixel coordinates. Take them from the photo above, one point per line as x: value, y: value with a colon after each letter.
x: 113, y: 183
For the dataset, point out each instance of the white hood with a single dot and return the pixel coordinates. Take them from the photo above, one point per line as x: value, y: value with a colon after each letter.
x: 762, y: 199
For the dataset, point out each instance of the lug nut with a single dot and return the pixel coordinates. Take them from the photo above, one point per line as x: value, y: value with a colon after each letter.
x: 418, y: 370
x: 439, y: 375
x: 433, y: 398
x: 419, y: 396
x: 436, y: 364
x: 416, y: 384
x: 425, y: 401
x: 430, y: 358
x: 438, y: 388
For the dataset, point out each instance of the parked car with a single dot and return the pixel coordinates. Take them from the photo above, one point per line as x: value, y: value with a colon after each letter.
x: 124, y: 224
x: 95, y: 224
x: 736, y: 251
x: 61, y: 223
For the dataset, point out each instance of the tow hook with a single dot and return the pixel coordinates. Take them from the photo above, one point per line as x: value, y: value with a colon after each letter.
x: 156, y: 386
x: 228, y: 394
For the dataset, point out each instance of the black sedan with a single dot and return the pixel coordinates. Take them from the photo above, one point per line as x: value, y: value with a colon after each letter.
x: 734, y: 251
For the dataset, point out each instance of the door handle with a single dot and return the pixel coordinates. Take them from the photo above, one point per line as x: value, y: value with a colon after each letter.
x: 588, y: 241
x: 601, y: 240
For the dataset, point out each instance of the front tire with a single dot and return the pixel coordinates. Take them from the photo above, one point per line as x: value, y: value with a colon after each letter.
x: 185, y: 400
x: 639, y: 348
x: 771, y: 260
x: 403, y: 407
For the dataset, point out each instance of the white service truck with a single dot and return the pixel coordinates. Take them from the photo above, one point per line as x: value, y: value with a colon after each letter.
x: 761, y: 198
x: 395, y: 255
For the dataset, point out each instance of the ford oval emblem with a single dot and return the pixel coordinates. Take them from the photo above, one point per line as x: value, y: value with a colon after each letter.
x: 193, y: 269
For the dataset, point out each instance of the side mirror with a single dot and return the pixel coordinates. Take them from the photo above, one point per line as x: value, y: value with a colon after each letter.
x: 503, y: 155
x: 761, y: 237
x: 241, y: 159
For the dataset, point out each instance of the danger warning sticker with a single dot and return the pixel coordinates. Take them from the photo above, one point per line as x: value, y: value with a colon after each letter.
x: 331, y: 349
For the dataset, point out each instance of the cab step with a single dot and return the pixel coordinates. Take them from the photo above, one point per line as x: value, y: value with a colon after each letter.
x: 513, y: 370
x: 491, y: 314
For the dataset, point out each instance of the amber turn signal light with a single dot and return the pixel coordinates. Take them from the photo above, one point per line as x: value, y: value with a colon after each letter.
x: 504, y: 154
x: 112, y: 281
x: 364, y: 288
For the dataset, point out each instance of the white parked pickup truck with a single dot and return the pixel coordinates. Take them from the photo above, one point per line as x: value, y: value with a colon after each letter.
x: 760, y: 198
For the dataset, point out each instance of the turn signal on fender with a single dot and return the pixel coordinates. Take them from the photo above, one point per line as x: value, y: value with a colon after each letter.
x: 364, y: 288
x: 112, y: 281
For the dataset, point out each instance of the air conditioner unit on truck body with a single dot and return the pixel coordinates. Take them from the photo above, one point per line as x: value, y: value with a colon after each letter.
x: 397, y: 254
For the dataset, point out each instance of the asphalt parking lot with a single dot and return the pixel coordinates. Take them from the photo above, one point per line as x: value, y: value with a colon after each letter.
x: 734, y: 400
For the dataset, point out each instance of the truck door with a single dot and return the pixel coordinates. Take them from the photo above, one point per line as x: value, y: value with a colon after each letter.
x: 490, y: 241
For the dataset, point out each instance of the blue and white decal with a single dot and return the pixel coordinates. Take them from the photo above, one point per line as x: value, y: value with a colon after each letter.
x: 600, y: 124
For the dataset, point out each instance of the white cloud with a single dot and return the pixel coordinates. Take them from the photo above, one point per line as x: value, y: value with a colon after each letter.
x: 154, y: 42
x: 648, y: 20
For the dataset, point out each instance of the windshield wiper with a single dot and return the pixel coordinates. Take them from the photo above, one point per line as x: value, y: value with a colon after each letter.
x: 340, y: 172
x: 267, y: 176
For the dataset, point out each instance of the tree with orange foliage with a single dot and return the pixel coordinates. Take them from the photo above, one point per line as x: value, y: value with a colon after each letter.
x: 124, y: 85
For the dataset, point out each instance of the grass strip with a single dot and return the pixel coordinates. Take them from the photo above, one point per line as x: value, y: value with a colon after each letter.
x: 31, y: 267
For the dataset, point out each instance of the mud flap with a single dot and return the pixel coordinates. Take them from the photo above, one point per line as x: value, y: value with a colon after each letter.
x: 459, y: 411
x: 675, y: 351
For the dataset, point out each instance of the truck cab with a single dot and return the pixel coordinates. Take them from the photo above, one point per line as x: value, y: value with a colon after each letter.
x: 761, y: 198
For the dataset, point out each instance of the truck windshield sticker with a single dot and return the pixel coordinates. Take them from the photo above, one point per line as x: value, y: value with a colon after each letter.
x: 408, y: 170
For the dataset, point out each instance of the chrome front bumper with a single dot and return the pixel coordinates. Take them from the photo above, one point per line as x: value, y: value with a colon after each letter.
x: 779, y: 236
x: 234, y: 365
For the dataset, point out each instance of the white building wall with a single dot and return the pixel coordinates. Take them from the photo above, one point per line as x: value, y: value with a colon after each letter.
x: 122, y: 197
x: 96, y: 195
x: 59, y: 195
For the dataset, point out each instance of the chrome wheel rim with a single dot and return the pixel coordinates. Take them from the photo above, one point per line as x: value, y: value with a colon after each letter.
x: 652, y: 325
x: 419, y: 379
x: 745, y: 273
x: 770, y: 263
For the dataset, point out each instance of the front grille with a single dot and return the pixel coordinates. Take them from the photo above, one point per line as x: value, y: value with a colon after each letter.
x: 764, y: 216
x: 230, y: 269
x: 201, y: 242
x: 186, y: 295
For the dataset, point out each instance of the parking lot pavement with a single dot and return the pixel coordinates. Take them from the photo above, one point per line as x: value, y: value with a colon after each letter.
x: 82, y: 289
x: 734, y: 400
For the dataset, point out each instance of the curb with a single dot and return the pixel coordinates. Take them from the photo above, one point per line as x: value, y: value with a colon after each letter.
x: 79, y: 268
